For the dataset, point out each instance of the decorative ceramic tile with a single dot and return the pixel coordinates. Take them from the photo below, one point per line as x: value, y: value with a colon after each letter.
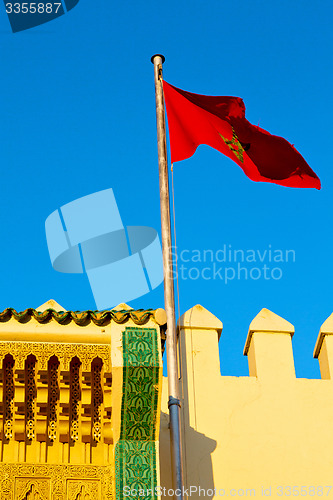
x: 135, y: 452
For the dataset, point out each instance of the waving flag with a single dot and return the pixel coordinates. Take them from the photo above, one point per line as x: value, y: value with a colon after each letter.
x: 219, y: 122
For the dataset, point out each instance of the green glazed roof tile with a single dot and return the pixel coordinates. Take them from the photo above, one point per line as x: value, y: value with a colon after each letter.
x: 81, y: 318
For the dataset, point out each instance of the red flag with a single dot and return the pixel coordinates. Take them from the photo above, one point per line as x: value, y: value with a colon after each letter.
x: 219, y: 122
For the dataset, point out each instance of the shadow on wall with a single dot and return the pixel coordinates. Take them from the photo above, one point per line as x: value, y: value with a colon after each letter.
x: 198, y: 468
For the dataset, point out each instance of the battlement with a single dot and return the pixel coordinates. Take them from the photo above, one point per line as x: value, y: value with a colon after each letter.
x: 263, y: 430
x: 268, y: 344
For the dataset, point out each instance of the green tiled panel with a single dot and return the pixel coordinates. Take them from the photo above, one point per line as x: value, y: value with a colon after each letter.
x: 139, y: 405
x: 135, y: 452
x: 136, y: 468
x: 140, y: 347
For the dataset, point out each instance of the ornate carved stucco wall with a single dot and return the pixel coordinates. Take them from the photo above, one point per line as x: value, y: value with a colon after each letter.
x: 64, y: 405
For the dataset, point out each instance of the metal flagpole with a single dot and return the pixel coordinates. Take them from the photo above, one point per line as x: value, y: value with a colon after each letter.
x: 169, y: 297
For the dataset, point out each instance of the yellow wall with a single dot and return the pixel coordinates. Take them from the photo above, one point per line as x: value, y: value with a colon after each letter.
x: 269, y: 430
x: 269, y: 434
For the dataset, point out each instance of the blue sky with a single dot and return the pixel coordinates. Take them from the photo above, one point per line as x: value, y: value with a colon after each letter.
x: 78, y: 116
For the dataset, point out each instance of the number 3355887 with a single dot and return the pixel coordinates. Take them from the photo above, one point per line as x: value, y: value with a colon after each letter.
x: 32, y: 8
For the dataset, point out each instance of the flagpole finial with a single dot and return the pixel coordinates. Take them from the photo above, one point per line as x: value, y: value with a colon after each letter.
x: 157, y: 55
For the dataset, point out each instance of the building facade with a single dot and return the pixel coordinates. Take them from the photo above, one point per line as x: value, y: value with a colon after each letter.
x: 84, y: 408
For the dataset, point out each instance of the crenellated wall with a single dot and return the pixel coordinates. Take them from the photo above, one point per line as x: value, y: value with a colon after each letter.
x: 269, y: 434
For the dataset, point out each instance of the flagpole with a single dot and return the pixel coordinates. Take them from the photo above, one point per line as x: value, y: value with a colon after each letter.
x: 169, y: 296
